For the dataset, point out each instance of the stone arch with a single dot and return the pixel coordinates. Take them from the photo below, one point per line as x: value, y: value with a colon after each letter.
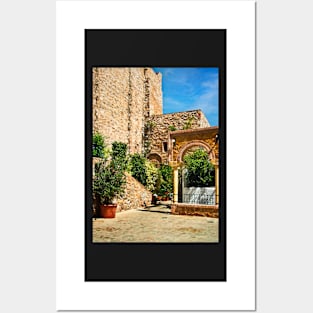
x: 155, y: 158
x: 195, y: 143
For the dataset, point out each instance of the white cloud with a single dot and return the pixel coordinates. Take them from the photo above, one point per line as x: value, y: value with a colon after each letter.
x: 208, y: 104
x: 212, y: 84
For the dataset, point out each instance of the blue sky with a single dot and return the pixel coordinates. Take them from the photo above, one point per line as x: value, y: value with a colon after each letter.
x: 190, y: 89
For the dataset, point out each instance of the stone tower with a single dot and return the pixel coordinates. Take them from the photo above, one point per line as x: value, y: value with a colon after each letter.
x: 122, y: 99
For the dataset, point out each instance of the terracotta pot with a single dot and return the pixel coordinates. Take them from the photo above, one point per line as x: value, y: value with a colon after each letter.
x: 108, y: 210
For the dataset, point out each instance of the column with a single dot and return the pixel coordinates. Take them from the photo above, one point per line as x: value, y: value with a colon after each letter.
x: 175, y: 195
x: 217, y: 192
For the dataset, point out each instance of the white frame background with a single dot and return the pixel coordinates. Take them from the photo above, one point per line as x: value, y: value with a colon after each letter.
x: 238, y: 292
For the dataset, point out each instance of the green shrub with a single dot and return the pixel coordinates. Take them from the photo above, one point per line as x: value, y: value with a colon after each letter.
x: 152, y: 176
x: 98, y: 146
x: 166, y: 180
x: 109, y: 180
x: 144, y: 171
x: 119, y: 154
x: 200, y: 171
x: 138, y: 168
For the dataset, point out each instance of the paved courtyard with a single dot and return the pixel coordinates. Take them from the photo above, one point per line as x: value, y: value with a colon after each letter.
x: 155, y: 224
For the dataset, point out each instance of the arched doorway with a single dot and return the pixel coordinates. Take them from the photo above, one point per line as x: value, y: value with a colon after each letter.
x: 197, y: 186
x: 192, y: 146
x: 184, y: 141
x: 155, y: 159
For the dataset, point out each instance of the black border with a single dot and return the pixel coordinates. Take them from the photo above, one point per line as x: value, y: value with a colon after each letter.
x: 155, y: 261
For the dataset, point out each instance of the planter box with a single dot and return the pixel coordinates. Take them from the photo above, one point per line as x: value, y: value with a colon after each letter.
x: 195, y: 209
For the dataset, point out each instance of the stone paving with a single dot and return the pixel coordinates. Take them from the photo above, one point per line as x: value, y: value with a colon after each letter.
x: 155, y: 224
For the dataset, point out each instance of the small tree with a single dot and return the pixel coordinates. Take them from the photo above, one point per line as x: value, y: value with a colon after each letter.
x: 200, y: 172
x: 109, y: 179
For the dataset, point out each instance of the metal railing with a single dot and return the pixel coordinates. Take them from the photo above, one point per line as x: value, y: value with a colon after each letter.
x: 199, y: 198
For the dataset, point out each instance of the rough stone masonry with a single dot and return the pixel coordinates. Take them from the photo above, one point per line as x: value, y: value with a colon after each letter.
x: 128, y: 107
x: 122, y: 99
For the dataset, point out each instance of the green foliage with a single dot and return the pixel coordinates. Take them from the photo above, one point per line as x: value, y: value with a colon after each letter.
x: 172, y: 128
x: 149, y: 126
x: 119, y: 154
x: 108, y: 182
x: 166, y: 180
x: 200, y: 170
x: 98, y: 146
x: 188, y: 124
x: 152, y: 176
x: 144, y: 171
x: 109, y: 179
x: 138, y: 168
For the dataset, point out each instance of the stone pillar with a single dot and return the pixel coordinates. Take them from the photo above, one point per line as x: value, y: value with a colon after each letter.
x: 175, y: 196
x: 217, y: 191
x: 175, y: 165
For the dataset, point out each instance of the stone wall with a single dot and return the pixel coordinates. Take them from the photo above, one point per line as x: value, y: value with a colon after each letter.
x: 122, y: 99
x: 135, y: 195
x: 154, y: 92
x: 110, y: 103
x: 135, y: 118
x: 183, y: 139
x: 158, y: 127
x: 195, y: 210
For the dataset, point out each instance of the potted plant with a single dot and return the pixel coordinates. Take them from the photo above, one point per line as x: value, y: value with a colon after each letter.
x: 165, y: 196
x: 109, y: 180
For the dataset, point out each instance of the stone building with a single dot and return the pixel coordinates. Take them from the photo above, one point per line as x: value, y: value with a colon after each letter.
x: 159, y: 126
x: 122, y: 99
x: 183, y: 141
x: 127, y: 107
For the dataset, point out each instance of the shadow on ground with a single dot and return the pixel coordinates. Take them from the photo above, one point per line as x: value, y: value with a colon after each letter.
x: 157, y: 209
